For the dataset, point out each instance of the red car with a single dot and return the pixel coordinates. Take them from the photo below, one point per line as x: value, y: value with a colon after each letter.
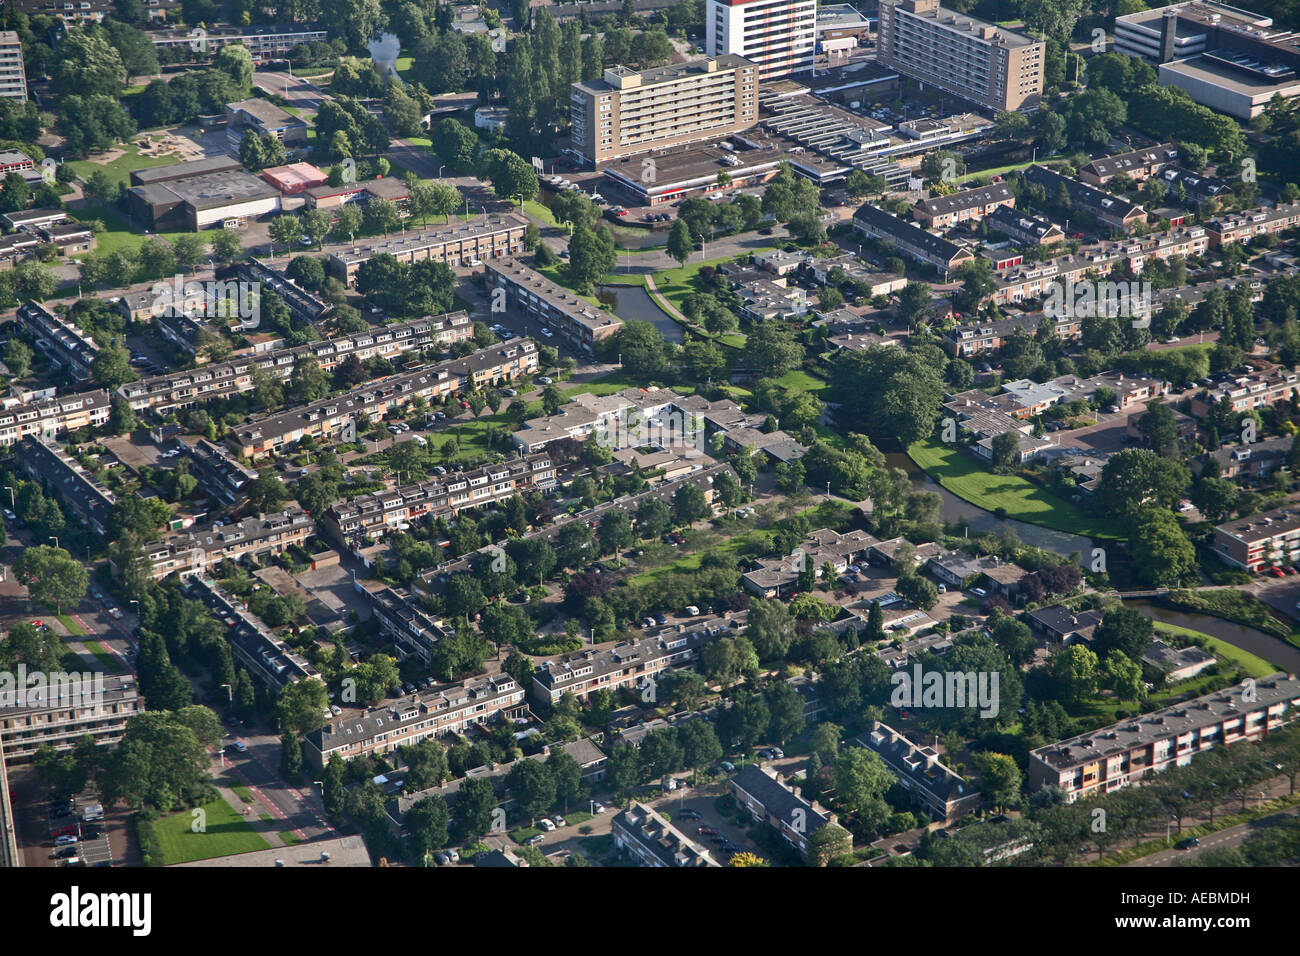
x: 464, y: 404
x: 706, y: 831
x: 1276, y: 572
x: 1290, y: 569
x: 69, y: 830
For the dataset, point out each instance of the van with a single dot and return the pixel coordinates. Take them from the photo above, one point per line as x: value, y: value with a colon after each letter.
x: 420, y: 440
x: 692, y: 611
x: 93, y: 812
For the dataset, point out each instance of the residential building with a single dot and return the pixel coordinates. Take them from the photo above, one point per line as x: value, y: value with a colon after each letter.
x: 1137, y: 164
x: 628, y: 112
x: 650, y: 840
x: 65, y: 709
x: 1259, y: 388
x: 302, y: 304
x: 578, y: 324
x: 379, y: 513
x: 958, y: 569
x: 217, y: 471
x: 966, y: 205
x: 1267, y: 539
x: 932, y: 785
x: 411, y: 719
x: 1024, y: 229
x: 779, y: 35
x: 1106, y: 759
x: 967, y: 340
x: 414, y: 631
x: 1064, y: 625
x: 777, y: 577
x: 911, y: 240
x: 457, y: 244
x: 1177, y: 663
x: 70, y: 238
x: 9, y: 855
x: 328, y: 419
x: 200, y: 549
x: 266, y: 119
x: 760, y: 791
x: 1108, y: 210
x: 66, y: 345
x: 176, y: 390
x: 83, y: 497
x: 48, y: 417
x: 1251, y: 462
x: 1244, y: 226
x: 13, y: 74
x: 256, y: 647
x: 681, y: 172
x: 264, y: 41
x: 978, y: 61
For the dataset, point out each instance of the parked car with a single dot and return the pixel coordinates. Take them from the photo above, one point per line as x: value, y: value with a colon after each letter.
x: 598, y: 807
x: 544, y: 380
x: 238, y: 747
x: 979, y: 592
x: 65, y: 853
x: 535, y: 839
x: 689, y: 814
x: 706, y: 831
x: 546, y: 824
x: 559, y: 821
x: 66, y: 840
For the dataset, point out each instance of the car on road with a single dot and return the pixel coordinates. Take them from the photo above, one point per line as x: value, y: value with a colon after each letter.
x: 1187, y: 844
x: 238, y: 747
x: 706, y: 831
x: 689, y: 814
x: 544, y: 380
x: 535, y: 839
x: 114, y: 613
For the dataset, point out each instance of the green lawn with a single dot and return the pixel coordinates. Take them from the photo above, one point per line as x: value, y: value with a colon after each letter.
x: 289, y: 837
x: 73, y: 627
x: 540, y: 212
x: 122, y: 167
x: 805, y: 382
x: 243, y: 793
x: 104, y: 656
x: 605, y: 385
x: 224, y: 832
x: 676, y: 284
x: 1023, y: 500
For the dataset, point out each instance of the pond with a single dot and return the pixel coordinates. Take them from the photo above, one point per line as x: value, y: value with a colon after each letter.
x: 633, y: 302
x: 1272, y: 649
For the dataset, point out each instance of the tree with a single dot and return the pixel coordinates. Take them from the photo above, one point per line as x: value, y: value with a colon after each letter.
x: 1125, y: 630
x: 1000, y: 779
x: 87, y: 66
x: 426, y: 825
x: 690, y: 504
x: 861, y: 780
x: 475, y: 801
x: 918, y: 591
x: 827, y: 842
x: 680, y: 243
x: 290, y: 756
x: 1123, y: 677
x: 161, y: 761
x: 226, y: 245
x: 1161, y: 553
x: 532, y: 786
x: 53, y: 578
x: 888, y: 393
x: 785, y: 707
x: 592, y: 255
x: 642, y: 348
x: 1006, y: 452
x: 112, y: 367
x: 18, y: 356
x: 771, y: 348
x: 301, y: 706
x: 1076, y: 669
x: 770, y: 628
x: 1136, y: 477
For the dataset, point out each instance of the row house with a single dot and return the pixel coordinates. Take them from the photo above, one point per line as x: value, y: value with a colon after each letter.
x: 218, y: 472
x: 413, y: 630
x: 761, y: 792
x: 177, y: 390
x: 409, y: 720
x: 59, y: 338
x: 966, y: 205
x: 301, y: 304
x: 1109, y: 210
x: 1136, y: 164
x: 203, y: 547
x: 457, y: 244
x: 1109, y: 758
x: 256, y: 647
x: 911, y: 240
x: 264, y: 42
x: 930, y: 784
x: 331, y: 419
x: 1247, y: 463
x: 578, y: 323
x: 376, y: 514
x: 1024, y: 229
x: 80, y: 492
x: 1244, y: 226
x: 779, y: 576
x: 650, y: 840
x: 964, y: 341
x: 47, y: 417
x: 1258, y: 389
x: 631, y: 664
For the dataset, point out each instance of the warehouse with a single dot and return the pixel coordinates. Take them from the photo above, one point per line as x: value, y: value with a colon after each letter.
x: 198, y: 202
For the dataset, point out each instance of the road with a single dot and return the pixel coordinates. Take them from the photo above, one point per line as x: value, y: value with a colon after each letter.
x: 1224, y: 839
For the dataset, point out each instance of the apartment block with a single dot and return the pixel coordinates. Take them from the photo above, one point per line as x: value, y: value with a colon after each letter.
x: 779, y: 35
x: 80, y: 492
x: 628, y: 112
x: 411, y: 719
x: 913, y: 241
x: 1257, y: 389
x: 1023, y: 228
x: 217, y: 471
x: 1244, y: 226
x: 65, y: 710
x: 577, y: 322
x: 1112, y: 757
x: 200, y: 549
x: 265, y: 42
x: 176, y: 390
x: 327, y: 419
x: 650, y: 840
x: 378, y: 513
x: 255, y: 646
x: 48, y: 417
x: 60, y: 339
x: 1268, y: 539
x: 13, y: 74
x: 457, y: 244
x: 967, y: 205
x: 978, y: 61
x: 414, y: 631
x: 760, y: 791
x: 933, y: 786
x: 304, y: 306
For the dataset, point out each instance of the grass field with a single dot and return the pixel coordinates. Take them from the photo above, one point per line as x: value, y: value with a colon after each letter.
x: 804, y: 382
x: 289, y: 837
x: 73, y: 627
x: 1252, y: 665
x: 104, y: 656
x: 243, y: 793
x: 122, y: 167
x: 676, y: 284
x: 1024, y: 501
x: 224, y: 832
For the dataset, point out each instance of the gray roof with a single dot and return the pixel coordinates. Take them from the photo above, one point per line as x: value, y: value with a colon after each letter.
x: 967, y: 199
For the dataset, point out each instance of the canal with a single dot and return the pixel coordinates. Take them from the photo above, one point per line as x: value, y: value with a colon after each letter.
x: 634, y: 302
x: 1272, y: 649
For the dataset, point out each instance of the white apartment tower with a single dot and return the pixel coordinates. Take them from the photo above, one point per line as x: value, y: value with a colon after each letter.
x: 13, y: 77
x: 779, y: 35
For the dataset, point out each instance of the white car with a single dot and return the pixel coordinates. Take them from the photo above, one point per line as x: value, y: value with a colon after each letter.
x: 546, y: 825
x: 548, y: 333
x: 598, y: 807
x: 979, y: 592
x: 543, y: 380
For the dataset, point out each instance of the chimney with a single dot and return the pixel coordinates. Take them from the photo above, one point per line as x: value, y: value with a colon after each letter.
x: 1168, y: 35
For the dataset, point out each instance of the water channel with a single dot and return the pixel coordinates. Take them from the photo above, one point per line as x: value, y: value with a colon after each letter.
x: 634, y: 302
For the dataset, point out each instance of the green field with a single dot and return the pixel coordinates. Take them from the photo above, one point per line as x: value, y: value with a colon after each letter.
x: 225, y: 832
x: 122, y: 167
x: 75, y: 629
x: 243, y: 793
x: 1023, y: 500
x: 1252, y: 665
x: 104, y: 656
x: 804, y: 382
x: 289, y: 837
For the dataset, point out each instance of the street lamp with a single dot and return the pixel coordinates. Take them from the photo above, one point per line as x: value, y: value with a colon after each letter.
x: 440, y: 169
x: 12, y: 503
x: 55, y: 540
